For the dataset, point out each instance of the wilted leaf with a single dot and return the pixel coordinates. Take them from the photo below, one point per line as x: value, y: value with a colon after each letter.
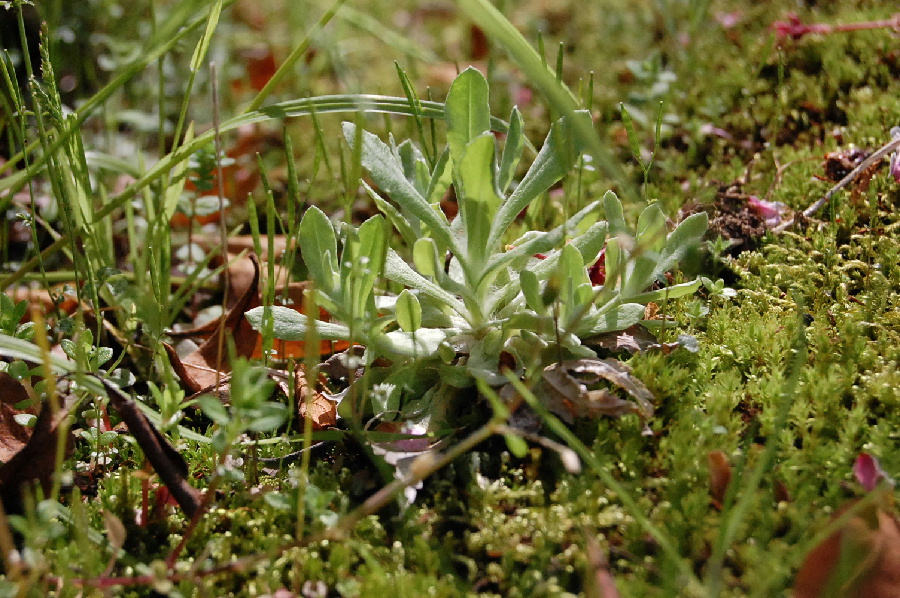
x: 115, y: 530
x: 313, y: 405
x: 869, y: 473
x: 401, y: 454
x: 719, y: 477
x: 859, y: 560
x: 572, y: 389
x: 27, y: 454
x: 206, y: 366
x: 13, y: 435
x: 637, y: 339
x: 599, y: 582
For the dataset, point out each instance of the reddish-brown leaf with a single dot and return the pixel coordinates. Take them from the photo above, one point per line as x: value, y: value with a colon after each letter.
x: 13, y: 435
x: 859, y: 560
x: 28, y: 453
x: 205, y: 367
x: 719, y: 477
x: 479, y: 45
x: 313, y: 405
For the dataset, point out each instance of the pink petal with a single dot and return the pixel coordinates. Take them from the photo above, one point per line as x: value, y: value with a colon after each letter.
x: 869, y: 473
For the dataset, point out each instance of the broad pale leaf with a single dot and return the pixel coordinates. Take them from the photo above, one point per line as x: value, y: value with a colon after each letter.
x: 408, y: 311
x: 477, y: 196
x: 291, y: 325
x: 467, y: 111
x: 318, y: 246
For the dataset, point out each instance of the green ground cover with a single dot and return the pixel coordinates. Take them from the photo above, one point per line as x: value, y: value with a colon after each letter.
x: 768, y: 380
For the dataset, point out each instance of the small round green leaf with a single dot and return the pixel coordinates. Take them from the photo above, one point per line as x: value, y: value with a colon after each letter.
x: 409, y: 311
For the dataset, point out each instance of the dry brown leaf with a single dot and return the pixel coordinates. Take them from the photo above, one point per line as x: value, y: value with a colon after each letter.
x: 573, y: 389
x: 13, y: 435
x: 313, y: 405
x: 28, y: 453
x: 859, y: 560
x: 599, y: 582
x: 567, y: 389
x: 635, y: 339
x: 245, y: 279
x: 206, y: 366
x: 43, y: 300
x: 719, y: 477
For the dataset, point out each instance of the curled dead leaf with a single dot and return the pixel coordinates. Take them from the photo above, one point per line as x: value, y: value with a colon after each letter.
x: 637, y: 339
x: 859, y: 560
x: 28, y: 454
x: 205, y: 367
x: 313, y: 405
x: 719, y: 477
x: 574, y: 389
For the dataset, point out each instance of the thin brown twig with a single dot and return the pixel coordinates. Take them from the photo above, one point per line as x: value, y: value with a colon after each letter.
x: 223, y: 229
x: 427, y: 464
x: 877, y: 155
x: 166, y: 461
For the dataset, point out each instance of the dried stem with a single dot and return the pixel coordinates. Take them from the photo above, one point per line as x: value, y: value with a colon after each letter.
x: 166, y: 461
x: 880, y: 153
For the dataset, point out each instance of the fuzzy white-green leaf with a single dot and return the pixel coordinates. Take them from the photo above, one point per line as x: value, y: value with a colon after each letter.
x: 467, y: 110
x: 387, y: 172
x: 512, y: 151
x: 397, y: 270
x: 478, y: 199
x: 290, y: 325
x: 556, y: 158
x: 408, y: 311
x: 318, y: 246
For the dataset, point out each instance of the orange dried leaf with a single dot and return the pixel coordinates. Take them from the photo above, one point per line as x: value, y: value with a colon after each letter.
x: 859, y: 560
x: 719, y: 477
x: 320, y: 411
x: 28, y: 454
x: 313, y: 405
x: 205, y: 367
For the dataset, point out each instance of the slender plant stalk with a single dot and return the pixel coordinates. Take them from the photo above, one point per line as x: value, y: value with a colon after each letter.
x: 504, y: 33
x: 292, y: 58
x: 588, y: 457
x: 738, y: 513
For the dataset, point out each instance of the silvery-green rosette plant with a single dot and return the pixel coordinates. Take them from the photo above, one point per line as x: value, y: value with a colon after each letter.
x: 468, y: 294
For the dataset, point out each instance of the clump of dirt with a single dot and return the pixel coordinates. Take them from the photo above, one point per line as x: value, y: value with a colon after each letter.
x: 839, y: 164
x: 734, y: 216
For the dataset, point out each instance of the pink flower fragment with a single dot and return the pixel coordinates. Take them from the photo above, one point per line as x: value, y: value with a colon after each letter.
x: 869, y: 473
x: 597, y: 272
x: 895, y: 157
x: 796, y: 29
x: 769, y: 211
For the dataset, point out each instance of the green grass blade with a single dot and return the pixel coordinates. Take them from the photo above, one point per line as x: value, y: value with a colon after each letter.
x: 503, y: 33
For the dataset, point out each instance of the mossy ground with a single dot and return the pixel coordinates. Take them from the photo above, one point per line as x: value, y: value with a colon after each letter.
x: 495, y: 525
